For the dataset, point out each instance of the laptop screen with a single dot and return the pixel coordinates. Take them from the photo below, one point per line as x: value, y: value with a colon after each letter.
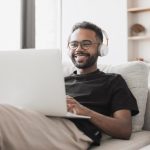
x: 33, y: 79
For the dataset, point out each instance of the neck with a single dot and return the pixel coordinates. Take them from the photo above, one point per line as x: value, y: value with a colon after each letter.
x: 87, y: 70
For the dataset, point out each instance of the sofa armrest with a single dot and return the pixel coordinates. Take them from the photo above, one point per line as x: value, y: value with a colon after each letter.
x: 147, y: 113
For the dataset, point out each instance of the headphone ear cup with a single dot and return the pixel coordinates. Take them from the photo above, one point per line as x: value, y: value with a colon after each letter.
x: 103, y: 50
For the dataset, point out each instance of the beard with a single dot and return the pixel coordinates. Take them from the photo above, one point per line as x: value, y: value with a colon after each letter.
x: 91, y: 60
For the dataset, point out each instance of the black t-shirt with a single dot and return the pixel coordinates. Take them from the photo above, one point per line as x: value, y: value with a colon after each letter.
x: 101, y: 92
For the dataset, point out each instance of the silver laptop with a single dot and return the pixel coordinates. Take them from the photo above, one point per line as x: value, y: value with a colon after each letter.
x: 33, y: 79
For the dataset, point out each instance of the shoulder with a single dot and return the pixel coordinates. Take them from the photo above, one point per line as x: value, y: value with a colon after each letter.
x: 114, y: 77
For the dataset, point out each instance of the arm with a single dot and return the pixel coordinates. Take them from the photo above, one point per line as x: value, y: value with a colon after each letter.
x: 117, y: 126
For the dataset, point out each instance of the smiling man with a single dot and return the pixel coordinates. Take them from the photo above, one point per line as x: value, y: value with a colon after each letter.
x: 104, y: 97
x: 90, y: 92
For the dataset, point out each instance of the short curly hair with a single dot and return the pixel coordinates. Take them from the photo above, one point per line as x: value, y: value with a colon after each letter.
x: 90, y: 26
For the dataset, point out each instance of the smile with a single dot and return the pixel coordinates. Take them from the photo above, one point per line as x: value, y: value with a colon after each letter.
x: 81, y: 54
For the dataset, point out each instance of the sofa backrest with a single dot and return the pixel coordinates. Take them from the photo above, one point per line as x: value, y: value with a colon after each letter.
x: 147, y: 113
x: 136, y: 77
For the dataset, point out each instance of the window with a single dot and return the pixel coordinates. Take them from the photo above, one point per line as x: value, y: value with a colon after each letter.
x: 30, y: 24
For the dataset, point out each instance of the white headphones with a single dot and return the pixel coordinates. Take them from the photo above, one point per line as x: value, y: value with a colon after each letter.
x: 103, y: 48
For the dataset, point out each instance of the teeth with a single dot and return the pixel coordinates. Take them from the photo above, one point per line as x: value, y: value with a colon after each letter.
x: 80, y: 55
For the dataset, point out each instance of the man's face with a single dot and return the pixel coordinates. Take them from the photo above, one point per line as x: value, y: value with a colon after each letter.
x: 83, y: 46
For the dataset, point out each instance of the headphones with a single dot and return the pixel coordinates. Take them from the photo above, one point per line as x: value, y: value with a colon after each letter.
x: 103, y: 48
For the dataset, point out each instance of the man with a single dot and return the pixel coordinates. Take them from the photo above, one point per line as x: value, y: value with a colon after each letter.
x: 104, y: 97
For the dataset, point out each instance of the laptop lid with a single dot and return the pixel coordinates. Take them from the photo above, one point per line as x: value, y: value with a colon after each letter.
x: 33, y: 79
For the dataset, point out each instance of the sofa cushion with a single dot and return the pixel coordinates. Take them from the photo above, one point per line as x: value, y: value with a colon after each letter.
x: 147, y: 113
x: 145, y: 147
x: 136, y: 77
x: 137, y: 141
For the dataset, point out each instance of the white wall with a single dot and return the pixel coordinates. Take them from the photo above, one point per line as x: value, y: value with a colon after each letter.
x: 10, y: 18
x: 108, y: 14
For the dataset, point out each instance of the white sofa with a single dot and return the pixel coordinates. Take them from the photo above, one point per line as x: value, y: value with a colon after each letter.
x: 136, y: 76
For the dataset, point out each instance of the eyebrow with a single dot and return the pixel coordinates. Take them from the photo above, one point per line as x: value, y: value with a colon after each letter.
x: 83, y: 41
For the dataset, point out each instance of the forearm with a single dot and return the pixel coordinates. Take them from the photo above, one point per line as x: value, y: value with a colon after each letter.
x: 118, y: 126
x: 115, y: 127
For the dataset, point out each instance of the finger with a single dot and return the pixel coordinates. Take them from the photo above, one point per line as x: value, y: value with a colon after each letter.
x: 71, y: 101
x: 68, y: 97
x: 74, y: 111
x: 70, y: 106
x: 70, y: 109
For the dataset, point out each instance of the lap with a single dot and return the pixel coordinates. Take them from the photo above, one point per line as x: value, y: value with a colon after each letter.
x: 26, y: 129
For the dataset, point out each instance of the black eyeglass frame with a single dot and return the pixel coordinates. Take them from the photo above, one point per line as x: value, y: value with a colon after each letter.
x: 83, y: 44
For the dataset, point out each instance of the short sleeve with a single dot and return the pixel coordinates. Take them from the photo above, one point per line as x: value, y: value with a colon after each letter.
x: 122, y: 98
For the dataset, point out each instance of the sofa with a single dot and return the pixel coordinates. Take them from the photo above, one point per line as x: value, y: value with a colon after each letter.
x: 136, y: 75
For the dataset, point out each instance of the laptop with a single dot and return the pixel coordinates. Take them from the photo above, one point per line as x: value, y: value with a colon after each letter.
x: 33, y: 79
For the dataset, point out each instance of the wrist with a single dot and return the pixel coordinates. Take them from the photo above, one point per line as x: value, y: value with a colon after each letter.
x: 87, y: 111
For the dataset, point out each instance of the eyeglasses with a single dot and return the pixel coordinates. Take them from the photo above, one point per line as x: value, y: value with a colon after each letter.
x: 85, y: 44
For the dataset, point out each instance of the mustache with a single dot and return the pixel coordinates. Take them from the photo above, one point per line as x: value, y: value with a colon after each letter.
x: 82, y: 53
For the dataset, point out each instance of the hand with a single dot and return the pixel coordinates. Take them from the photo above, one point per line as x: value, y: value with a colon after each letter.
x: 74, y: 106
